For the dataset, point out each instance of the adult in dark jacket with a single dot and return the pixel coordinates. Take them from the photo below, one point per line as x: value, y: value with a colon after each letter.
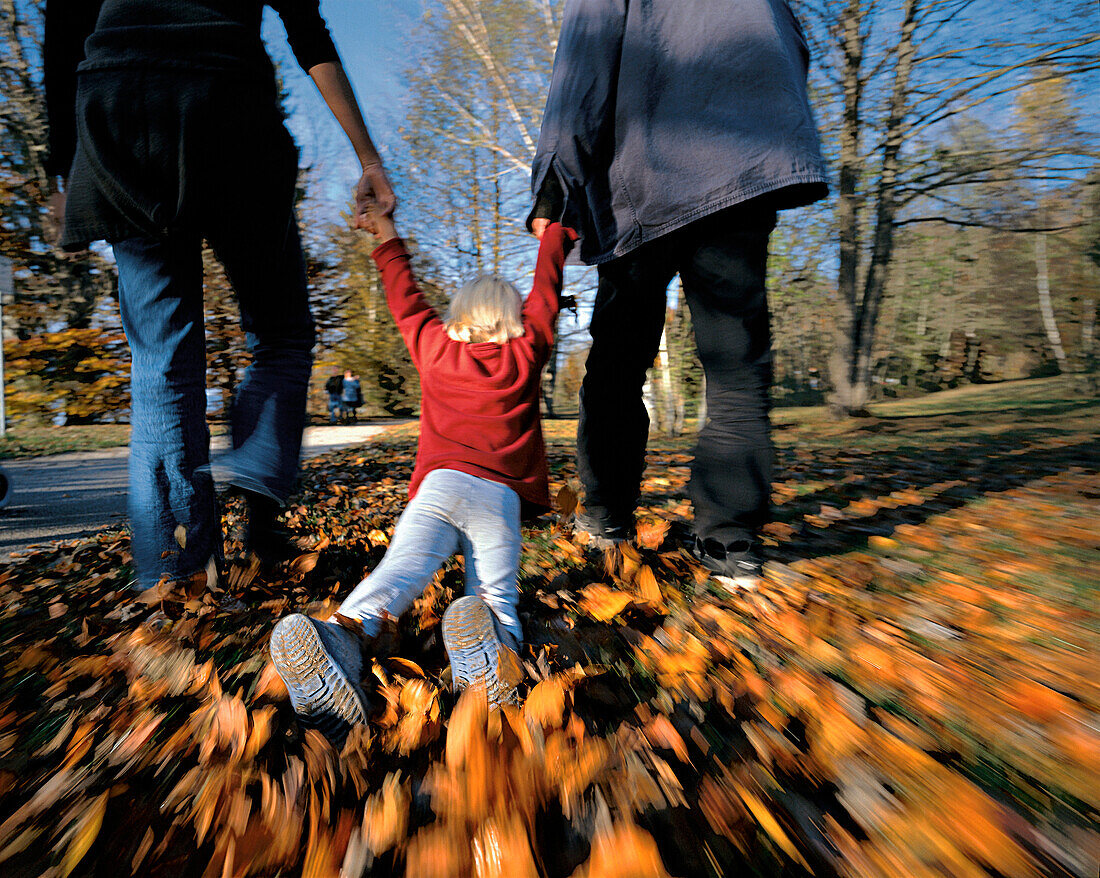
x: 673, y: 132
x: 165, y: 127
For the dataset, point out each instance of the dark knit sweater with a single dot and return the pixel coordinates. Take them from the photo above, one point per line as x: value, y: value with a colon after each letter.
x: 168, y: 73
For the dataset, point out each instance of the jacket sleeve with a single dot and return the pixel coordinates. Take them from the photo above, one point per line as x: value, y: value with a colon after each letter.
x: 580, y: 107
x: 68, y: 24
x: 544, y: 301
x: 306, y: 32
x: 415, y: 318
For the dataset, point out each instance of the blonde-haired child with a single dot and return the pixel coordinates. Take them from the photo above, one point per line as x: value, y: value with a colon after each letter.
x: 480, y: 461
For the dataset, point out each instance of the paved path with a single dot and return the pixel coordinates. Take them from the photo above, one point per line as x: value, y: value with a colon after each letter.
x: 66, y: 496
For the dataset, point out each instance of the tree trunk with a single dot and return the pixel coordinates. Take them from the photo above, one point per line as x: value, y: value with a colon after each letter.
x: 649, y: 400
x: 550, y: 380
x: 853, y: 389
x: 667, y: 395
x: 1088, y: 331
x: 845, y: 399
x: 1046, y: 309
x: 475, y: 213
x: 1088, y: 345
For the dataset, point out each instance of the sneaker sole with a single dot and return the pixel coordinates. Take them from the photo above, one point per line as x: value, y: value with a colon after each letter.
x: 320, y: 692
x: 473, y: 648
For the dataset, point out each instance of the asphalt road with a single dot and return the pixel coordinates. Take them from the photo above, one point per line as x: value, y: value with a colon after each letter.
x: 66, y: 496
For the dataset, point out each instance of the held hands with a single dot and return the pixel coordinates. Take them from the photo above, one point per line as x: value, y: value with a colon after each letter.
x: 569, y: 236
x: 373, y: 219
x: 373, y: 192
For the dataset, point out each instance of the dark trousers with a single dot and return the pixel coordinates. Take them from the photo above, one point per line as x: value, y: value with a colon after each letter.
x: 722, y: 261
x: 161, y: 299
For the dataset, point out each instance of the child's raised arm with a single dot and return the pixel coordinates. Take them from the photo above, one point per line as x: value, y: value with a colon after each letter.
x: 542, y: 305
x: 416, y: 319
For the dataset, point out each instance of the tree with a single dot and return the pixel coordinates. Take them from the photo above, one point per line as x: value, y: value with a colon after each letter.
x: 1047, y: 122
x: 52, y: 288
x: 892, y: 78
x: 477, y: 92
x: 82, y: 375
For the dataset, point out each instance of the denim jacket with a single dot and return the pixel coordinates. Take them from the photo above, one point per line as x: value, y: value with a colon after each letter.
x: 661, y: 112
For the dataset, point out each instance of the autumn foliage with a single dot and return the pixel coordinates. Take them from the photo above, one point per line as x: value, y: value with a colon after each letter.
x: 913, y: 694
x: 84, y: 373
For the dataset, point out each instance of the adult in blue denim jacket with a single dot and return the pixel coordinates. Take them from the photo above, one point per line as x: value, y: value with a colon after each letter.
x: 166, y: 129
x: 673, y: 132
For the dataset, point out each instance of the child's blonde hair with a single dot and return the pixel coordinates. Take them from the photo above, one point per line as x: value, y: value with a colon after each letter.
x: 486, y: 308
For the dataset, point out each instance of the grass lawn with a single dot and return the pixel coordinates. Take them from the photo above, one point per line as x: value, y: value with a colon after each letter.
x: 23, y: 441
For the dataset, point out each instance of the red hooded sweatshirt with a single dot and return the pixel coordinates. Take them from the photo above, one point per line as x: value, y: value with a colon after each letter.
x: 479, y: 401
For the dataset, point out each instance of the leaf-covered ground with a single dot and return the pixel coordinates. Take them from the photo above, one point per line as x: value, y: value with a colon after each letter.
x: 913, y: 692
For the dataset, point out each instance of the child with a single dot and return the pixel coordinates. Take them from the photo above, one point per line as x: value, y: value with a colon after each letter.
x: 480, y: 458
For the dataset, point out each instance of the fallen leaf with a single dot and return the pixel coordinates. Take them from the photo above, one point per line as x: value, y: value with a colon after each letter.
x: 83, y: 834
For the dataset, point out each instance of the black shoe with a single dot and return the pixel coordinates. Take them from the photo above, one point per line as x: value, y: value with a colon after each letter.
x: 602, y: 534
x: 263, y: 537
x: 736, y: 566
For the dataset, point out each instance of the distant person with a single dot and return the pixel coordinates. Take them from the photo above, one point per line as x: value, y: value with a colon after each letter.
x: 334, y: 387
x: 351, y: 394
x: 480, y: 460
x: 166, y: 128
x: 673, y: 132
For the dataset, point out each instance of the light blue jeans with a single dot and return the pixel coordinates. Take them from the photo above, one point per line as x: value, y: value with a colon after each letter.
x: 452, y: 512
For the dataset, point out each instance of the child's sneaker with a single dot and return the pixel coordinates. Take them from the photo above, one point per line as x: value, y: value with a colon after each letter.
x: 321, y: 663
x: 481, y: 654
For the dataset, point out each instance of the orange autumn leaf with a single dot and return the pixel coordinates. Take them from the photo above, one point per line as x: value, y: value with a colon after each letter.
x: 305, y: 563
x: 648, y: 590
x: 420, y: 696
x: 386, y: 815
x: 660, y: 733
x: 406, y: 666
x: 545, y: 705
x: 1036, y: 701
x: 83, y: 834
x: 626, y: 851
x: 566, y: 501
x: 501, y: 849
x: 603, y: 603
x: 466, y: 732
x: 438, y: 852
x: 650, y: 534
x: 769, y: 824
x: 271, y: 684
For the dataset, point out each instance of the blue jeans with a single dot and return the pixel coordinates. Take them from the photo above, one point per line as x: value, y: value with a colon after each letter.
x: 335, y: 407
x: 452, y: 512
x: 161, y: 300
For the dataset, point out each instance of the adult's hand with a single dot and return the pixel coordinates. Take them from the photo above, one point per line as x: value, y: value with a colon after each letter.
x: 374, y: 192
x: 539, y: 227
x: 335, y: 88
